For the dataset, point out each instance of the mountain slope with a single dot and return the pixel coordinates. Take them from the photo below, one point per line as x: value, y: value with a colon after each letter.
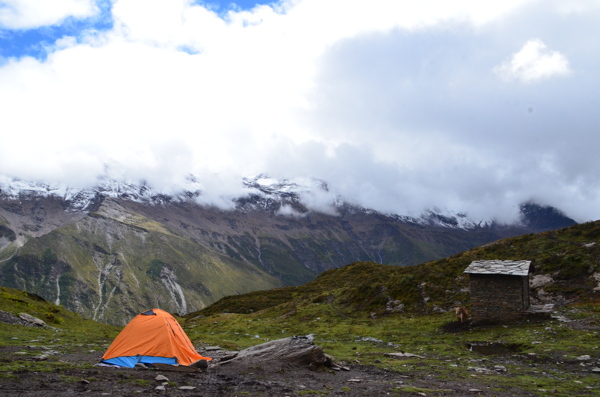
x: 566, y: 270
x: 298, y: 248
x: 112, y: 263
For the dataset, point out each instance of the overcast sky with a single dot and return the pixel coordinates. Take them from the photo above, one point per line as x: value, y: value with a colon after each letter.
x: 466, y: 105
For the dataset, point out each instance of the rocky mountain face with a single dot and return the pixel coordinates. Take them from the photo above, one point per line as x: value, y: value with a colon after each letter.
x: 114, y: 250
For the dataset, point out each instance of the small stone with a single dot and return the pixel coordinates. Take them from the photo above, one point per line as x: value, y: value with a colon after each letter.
x: 85, y: 381
x: 187, y: 387
x: 500, y: 368
x: 202, y: 364
x: 403, y: 355
x: 585, y: 357
x: 475, y: 390
x: 161, y: 378
x: 162, y: 388
x: 354, y: 380
x: 596, y: 370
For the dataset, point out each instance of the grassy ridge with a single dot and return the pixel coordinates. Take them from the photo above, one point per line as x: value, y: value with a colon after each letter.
x: 571, y: 256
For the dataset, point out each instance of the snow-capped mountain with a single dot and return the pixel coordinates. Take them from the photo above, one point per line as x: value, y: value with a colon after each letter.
x: 294, y: 197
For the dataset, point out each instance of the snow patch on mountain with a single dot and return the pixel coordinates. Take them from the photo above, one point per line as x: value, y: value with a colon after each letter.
x: 285, y: 197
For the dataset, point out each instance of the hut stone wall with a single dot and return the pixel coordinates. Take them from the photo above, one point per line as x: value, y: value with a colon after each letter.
x: 498, y: 298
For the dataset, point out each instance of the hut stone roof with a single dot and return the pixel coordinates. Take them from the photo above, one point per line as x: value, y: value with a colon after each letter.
x: 508, y: 268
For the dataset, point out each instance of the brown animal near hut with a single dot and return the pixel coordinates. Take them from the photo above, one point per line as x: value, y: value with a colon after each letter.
x: 462, y: 314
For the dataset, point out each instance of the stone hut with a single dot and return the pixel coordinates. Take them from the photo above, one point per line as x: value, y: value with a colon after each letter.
x: 499, y: 290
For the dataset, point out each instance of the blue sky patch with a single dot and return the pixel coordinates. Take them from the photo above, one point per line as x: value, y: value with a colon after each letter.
x: 18, y: 43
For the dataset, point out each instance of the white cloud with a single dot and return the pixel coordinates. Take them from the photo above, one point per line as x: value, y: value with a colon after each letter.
x: 534, y: 62
x: 391, y: 102
x: 27, y: 14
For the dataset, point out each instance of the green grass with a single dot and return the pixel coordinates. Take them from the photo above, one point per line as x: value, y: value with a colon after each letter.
x: 354, y: 339
x: 67, y: 332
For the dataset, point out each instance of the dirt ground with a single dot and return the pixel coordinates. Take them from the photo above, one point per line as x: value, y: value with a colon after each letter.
x: 245, y: 378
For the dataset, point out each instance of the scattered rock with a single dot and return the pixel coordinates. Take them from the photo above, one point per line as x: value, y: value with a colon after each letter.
x: 369, y: 339
x: 585, y: 357
x: 596, y: 370
x: 202, y: 364
x: 9, y: 318
x: 394, y: 306
x: 500, y: 368
x: 32, y: 320
x: 402, y: 355
x: 161, y: 378
x: 354, y: 380
x: 540, y: 280
x: 160, y: 388
x: 187, y: 387
x: 480, y: 370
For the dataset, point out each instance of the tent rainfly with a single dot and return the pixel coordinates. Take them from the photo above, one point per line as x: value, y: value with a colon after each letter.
x: 153, y: 336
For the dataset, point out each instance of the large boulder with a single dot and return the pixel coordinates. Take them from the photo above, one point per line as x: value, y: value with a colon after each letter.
x: 295, y: 350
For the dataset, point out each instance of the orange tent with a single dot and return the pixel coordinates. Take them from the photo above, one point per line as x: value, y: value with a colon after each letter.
x: 153, y: 336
